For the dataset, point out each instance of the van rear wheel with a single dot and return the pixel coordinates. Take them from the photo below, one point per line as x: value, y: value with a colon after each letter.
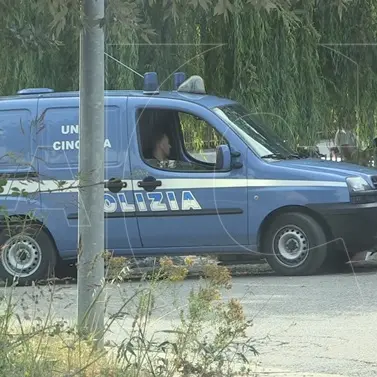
x: 294, y: 244
x: 27, y: 254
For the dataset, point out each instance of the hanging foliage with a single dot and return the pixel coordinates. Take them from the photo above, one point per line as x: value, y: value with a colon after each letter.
x: 305, y: 66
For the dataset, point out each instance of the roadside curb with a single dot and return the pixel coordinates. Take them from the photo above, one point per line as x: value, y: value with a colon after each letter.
x: 144, y: 270
x: 279, y: 373
x: 260, y: 371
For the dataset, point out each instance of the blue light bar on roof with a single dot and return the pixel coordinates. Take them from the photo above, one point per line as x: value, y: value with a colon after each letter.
x: 150, y: 83
x: 178, y: 79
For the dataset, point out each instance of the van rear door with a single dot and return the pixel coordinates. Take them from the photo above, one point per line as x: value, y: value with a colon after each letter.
x: 18, y: 128
x: 59, y: 158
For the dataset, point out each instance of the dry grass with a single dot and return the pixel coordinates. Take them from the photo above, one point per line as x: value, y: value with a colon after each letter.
x: 209, y: 340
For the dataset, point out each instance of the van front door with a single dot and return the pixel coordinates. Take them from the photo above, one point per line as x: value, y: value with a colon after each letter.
x: 187, y: 206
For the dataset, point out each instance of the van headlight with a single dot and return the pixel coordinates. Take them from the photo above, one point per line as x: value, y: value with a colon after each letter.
x: 357, y: 184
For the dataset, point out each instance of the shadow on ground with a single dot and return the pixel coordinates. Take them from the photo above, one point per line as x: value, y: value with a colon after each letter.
x: 67, y: 274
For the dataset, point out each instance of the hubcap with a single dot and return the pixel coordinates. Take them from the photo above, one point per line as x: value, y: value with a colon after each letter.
x: 291, y: 246
x: 21, y: 256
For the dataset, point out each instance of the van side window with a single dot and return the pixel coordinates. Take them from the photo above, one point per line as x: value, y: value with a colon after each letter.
x: 200, y: 139
x: 15, y: 138
x: 191, y: 141
x: 60, y: 140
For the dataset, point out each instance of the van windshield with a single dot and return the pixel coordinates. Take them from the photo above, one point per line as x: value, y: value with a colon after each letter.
x: 261, y: 139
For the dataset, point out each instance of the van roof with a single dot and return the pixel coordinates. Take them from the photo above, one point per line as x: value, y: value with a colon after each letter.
x: 206, y: 100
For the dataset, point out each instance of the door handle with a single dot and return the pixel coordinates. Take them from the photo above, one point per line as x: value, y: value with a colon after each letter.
x: 115, y: 185
x: 149, y: 183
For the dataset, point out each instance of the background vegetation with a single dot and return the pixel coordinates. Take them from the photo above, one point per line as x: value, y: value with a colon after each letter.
x: 308, y: 65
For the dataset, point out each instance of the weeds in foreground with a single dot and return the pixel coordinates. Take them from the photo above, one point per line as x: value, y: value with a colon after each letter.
x: 208, y: 336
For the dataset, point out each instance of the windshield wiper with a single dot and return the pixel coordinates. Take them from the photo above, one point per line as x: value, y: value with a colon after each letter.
x: 295, y: 155
x: 275, y: 156
x: 279, y: 156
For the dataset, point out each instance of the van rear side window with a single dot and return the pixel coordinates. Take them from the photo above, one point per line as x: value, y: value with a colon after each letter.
x: 60, y: 139
x: 15, y: 143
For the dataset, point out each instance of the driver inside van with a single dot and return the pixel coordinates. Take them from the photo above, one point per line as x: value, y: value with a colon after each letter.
x: 161, y: 151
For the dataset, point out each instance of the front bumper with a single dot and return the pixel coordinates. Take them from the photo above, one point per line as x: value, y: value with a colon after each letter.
x: 352, y: 225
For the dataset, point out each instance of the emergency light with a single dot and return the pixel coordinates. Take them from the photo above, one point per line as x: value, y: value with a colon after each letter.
x: 178, y: 79
x: 194, y: 85
x: 150, y: 83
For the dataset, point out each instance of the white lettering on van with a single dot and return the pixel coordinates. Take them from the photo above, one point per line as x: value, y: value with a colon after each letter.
x: 107, y: 144
x: 189, y: 201
x: 56, y: 145
x: 66, y: 145
x: 70, y: 129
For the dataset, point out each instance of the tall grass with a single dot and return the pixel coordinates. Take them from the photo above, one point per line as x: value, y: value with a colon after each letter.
x: 208, y: 337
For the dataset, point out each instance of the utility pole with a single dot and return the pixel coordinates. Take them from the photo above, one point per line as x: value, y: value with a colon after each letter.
x: 90, y: 300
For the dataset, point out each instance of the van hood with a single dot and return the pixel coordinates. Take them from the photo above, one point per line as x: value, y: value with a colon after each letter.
x: 336, y: 169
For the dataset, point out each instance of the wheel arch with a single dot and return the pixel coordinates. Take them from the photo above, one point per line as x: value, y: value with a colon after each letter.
x: 292, y: 209
x: 21, y: 218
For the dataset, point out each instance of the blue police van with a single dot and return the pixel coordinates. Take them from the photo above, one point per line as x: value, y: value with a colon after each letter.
x: 249, y: 195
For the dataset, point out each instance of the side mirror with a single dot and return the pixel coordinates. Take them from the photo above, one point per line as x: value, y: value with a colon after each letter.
x: 223, y: 158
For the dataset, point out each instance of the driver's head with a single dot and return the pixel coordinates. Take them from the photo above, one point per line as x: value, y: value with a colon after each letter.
x: 162, y: 146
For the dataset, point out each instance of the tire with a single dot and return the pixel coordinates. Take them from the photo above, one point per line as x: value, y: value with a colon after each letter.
x: 66, y: 269
x: 336, y: 260
x: 298, y: 231
x: 235, y: 259
x: 39, y: 254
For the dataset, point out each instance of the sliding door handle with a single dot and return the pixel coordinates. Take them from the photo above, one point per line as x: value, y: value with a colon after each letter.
x: 115, y: 185
x: 149, y: 183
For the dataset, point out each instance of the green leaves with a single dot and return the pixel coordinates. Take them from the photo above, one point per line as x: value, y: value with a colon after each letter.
x: 223, y: 8
x: 204, y: 4
x: 267, y: 5
x: 342, y: 6
x: 17, y: 192
x: 3, y: 183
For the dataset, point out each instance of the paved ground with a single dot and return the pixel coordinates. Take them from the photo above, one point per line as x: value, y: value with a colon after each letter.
x: 317, y: 324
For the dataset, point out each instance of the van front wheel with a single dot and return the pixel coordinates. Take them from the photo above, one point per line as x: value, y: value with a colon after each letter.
x: 27, y: 254
x: 294, y: 244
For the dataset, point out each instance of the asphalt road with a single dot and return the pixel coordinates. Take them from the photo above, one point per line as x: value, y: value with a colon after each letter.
x: 317, y: 324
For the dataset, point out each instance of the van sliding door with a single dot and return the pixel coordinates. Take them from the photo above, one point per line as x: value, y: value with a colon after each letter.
x: 59, y: 157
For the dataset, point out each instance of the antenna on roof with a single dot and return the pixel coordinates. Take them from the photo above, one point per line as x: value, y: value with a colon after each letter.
x: 194, y: 84
x: 151, y: 84
x: 124, y: 65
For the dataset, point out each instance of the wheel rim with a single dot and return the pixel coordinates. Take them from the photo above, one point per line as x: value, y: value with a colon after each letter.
x: 290, y: 246
x: 21, y: 256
